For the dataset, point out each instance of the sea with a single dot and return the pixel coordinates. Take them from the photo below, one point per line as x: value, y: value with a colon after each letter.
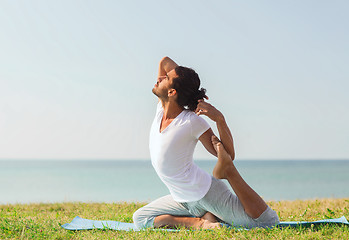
x: 50, y: 181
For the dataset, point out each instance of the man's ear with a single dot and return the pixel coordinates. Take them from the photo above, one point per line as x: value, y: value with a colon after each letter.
x: 171, y: 92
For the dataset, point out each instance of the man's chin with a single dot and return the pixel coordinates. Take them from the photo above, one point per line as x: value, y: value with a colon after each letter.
x: 154, y: 91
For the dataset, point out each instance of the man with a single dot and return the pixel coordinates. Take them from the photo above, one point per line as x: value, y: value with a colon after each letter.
x: 196, y: 200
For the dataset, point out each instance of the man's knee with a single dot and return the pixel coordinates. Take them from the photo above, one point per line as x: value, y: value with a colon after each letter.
x: 137, y: 219
x: 143, y: 220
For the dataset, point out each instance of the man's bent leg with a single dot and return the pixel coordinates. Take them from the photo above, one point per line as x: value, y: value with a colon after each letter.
x: 226, y: 206
x: 145, y: 216
x: 166, y: 212
x: 253, y: 204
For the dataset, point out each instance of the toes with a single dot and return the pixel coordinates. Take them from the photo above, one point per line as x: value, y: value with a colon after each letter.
x: 216, y: 143
x: 214, y: 139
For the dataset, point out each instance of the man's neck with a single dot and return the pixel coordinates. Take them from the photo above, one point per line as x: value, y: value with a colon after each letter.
x: 171, y: 110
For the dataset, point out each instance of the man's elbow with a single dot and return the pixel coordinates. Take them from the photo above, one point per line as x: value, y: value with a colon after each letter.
x: 232, y: 154
x: 164, y: 59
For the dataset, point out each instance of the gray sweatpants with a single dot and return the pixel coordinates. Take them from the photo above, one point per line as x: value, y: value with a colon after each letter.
x: 219, y: 200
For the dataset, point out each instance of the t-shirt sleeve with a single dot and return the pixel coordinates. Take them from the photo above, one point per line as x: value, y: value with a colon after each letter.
x: 198, y: 126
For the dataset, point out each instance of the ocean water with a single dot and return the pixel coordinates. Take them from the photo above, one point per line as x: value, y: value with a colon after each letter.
x: 114, y: 181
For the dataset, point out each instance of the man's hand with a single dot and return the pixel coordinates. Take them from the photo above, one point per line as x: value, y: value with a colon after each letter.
x: 210, y: 111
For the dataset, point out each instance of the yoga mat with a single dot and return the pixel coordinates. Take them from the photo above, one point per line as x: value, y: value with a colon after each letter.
x: 85, y: 224
x: 338, y: 221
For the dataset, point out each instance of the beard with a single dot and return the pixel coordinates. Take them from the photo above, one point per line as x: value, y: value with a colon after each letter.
x: 160, y: 93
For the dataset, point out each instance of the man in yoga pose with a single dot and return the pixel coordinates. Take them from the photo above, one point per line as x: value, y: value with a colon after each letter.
x: 196, y: 200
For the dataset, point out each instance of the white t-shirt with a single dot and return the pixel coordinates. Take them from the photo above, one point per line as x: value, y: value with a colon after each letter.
x: 171, y: 153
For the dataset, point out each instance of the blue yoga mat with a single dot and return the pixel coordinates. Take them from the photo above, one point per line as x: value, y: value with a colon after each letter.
x: 85, y: 224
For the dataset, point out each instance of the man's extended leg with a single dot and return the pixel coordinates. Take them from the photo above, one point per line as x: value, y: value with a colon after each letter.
x: 253, y: 204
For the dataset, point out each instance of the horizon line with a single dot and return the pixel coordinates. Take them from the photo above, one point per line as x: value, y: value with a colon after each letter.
x: 143, y: 159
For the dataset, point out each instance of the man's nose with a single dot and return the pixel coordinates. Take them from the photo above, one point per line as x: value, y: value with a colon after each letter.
x: 161, y: 78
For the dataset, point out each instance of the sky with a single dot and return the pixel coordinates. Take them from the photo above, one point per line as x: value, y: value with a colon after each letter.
x: 76, y: 76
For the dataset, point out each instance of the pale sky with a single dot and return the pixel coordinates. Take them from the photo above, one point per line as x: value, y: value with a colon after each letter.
x: 76, y: 76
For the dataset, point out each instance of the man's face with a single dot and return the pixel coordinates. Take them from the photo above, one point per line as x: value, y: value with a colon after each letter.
x: 164, y: 84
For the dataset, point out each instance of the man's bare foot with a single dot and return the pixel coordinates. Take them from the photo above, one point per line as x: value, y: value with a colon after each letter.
x: 210, y: 225
x: 210, y: 217
x: 224, y: 161
x: 209, y: 221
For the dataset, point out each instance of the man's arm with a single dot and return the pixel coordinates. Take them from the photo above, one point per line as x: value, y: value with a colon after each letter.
x: 166, y: 65
x: 223, y: 129
x: 226, y: 136
x: 206, y: 140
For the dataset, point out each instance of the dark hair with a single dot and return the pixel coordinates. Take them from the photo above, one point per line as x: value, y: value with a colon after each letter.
x: 187, y: 86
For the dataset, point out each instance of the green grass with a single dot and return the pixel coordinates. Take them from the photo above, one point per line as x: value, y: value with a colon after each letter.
x: 43, y: 221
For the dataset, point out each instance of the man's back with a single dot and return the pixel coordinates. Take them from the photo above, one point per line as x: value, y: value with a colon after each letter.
x: 172, y: 155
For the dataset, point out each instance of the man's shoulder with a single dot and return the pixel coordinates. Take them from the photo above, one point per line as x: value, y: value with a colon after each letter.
x: 193, y: 117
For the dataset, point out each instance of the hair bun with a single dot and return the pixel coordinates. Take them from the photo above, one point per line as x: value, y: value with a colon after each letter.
x: 201, y: 93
